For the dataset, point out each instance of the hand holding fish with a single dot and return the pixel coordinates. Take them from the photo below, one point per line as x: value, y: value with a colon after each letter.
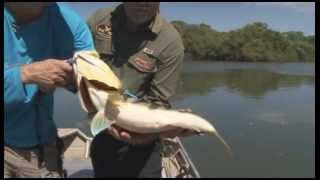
x: 136, y: 138
x: 131, y: 137
x: 48, y: 74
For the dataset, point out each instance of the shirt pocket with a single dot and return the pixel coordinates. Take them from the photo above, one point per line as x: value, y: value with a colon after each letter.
x: 143, y: 63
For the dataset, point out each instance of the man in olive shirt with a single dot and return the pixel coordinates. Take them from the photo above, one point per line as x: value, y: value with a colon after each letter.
x: 146, y: 53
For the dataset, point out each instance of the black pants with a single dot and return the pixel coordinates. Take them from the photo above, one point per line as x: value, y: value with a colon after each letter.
x: 113, y: 158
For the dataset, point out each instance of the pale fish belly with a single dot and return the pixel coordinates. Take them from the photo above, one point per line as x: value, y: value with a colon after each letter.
x: 141, y: 119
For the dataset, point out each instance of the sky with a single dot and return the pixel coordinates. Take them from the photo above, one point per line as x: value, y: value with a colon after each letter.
x: 226, y: 16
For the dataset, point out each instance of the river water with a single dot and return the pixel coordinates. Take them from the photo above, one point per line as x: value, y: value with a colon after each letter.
x: 265, y: 111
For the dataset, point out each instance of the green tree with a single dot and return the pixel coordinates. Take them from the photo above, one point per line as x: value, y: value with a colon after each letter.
x: 254, y: 42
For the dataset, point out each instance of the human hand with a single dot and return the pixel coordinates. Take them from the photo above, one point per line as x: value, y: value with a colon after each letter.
x: 48, y: 74
x: 136, y: 138
x: 131, y: 137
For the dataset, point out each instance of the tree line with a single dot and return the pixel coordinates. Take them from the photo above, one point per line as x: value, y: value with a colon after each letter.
x: 255, y: 42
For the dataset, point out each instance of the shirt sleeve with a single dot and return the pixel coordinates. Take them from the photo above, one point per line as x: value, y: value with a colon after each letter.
x: 82, y: 38
x: 91, y: 23
x: 17, y: 94
x: 166, y: 79
x: 81, y: 34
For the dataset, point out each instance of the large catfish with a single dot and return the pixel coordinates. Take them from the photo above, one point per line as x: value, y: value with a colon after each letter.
x: 100, y: 93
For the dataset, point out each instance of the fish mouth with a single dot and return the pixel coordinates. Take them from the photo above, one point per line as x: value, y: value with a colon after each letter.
x: 102, y: 86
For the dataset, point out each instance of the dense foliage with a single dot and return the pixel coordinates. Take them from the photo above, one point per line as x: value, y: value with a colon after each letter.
x: 254, y: 42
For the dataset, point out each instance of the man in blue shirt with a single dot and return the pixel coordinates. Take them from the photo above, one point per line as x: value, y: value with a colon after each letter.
x: 38, y: 37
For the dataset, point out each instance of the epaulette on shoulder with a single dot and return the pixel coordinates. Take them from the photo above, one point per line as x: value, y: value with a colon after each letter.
x: 102, y: 14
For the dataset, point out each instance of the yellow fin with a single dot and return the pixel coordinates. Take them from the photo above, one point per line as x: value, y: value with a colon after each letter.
x: 90, y: 66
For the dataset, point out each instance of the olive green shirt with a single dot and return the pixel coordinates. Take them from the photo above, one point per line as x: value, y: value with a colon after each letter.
x: 147, y: 62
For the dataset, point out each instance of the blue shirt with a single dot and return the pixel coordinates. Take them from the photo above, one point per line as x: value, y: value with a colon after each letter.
x: 58, y: 33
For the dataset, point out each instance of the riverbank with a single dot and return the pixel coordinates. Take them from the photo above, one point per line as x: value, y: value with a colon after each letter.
x: 254, y: 42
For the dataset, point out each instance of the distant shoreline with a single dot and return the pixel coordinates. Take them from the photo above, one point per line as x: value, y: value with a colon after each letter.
x: 223, y: 61
x: 255, y: 42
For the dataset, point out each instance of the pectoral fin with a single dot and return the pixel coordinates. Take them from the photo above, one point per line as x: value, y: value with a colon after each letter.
x: 99, y: 123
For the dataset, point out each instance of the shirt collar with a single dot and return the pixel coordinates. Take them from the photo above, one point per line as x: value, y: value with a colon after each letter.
x: 156, y: 25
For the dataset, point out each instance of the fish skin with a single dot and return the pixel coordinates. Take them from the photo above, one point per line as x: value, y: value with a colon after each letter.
x: 136, y: 118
